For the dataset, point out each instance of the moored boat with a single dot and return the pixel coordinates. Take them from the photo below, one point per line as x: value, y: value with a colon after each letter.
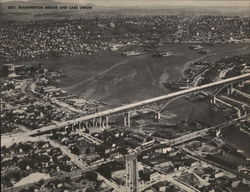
x: 131, y: 53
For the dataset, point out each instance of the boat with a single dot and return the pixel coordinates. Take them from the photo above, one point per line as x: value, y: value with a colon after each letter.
x: 147, y: 49
x: 196, y: 47
x: 163, y: 54
x: 176, y: 85
x: 131, y: 53
x: 209, y: 43
x: 204, y: 51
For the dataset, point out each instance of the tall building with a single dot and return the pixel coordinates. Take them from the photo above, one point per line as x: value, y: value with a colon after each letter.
x: 132, y: 181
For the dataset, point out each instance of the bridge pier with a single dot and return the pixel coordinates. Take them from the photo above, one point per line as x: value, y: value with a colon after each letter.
x: 129, y: 125
x: 213, y: 100
x: 157, y: 116
x: 127, y: 122
x: 67, y: 127
x: 230, y: 89
x: 237, y: 124
x: 73, y: 127
x: 103, y: 123
x: 83, y: 127
x: 93, y: 122
x: 96, y: 122
x: 241, y: 84
x: 100, y: 122
x: 79, y: 126
x: 107, y: 121
x: 62, y: 129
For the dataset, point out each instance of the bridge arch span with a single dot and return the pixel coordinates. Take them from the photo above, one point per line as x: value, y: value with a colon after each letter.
x: 170, y: 101
x: 217, y: 92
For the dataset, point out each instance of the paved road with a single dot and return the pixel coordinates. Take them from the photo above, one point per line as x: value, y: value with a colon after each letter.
x: 170, y: 178
x: 82, y: 165
x: 220, y: 166
x: 72, y: 175
x: 89, y: 137
x: 199, y: 133
x: 242, y: 93
x: 53, y: 100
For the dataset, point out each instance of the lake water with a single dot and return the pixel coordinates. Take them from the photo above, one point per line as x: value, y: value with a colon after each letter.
x: 116, y: 79
x: 239, y: 139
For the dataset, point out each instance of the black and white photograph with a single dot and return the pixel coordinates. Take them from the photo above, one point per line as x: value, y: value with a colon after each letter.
x: 125, y: 95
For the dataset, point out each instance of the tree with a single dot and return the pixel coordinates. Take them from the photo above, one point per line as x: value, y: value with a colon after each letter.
x: 15, y: 158
x: 123, y: 151
x: 67, y: 179
x: 75, y: 150
x: 90, y: 190
x: 91, y: 175
x: 4, y: 149
x: 41, y: 182
x: 105, y: 171
x: 23, y: 190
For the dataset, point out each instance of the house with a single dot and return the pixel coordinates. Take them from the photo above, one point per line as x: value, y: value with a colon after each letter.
x: 149, y: 190
x: 164, y: 149
x: 219, y: 174
x: 103, y: 149
x: 235, y: 183
x: 27, y: 167
x: 85, y: 148
x: 162, y: 188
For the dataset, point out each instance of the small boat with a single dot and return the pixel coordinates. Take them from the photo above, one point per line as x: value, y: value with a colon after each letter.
x: 196, y: 47
x: 147, y: 49
x: 165, y: 54
x: 131, y: 53
x: 176, y: 85
x: 204, y: 51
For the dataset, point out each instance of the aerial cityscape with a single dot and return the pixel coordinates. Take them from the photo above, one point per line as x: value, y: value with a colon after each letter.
x: 124, y: 97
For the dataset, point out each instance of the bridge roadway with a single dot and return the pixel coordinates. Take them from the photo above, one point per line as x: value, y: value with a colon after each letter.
x: 242, y: 93
x: 200, y: 133
x: 129, y: 107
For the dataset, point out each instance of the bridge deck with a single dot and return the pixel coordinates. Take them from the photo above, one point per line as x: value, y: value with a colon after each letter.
x: 137, y: 104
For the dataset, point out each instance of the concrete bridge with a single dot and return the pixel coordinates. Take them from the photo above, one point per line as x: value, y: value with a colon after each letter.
x: 200, y: 133
x: 156, y: 104
x: 247, y: 96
